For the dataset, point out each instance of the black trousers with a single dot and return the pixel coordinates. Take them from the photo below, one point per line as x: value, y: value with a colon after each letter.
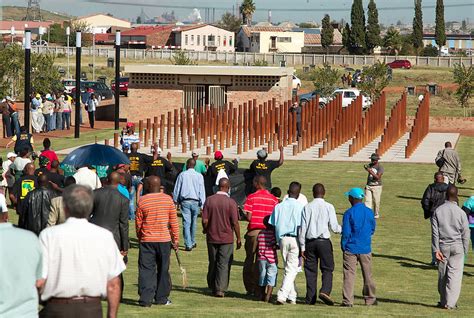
x: 318, y: 250
x: 91, y: 118
x: 7, y: 125
x: 298, y: 129
x: 154, y: 281
x: 74, y: 310
x: 220, y: 260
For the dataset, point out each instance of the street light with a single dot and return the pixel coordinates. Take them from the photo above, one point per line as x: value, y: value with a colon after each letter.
x: 93, y: 54
x: 77, y: 122
x: 27, y: 78
x: 12, y: 32
x: 117, y: 79
x: 41, y: 32
x: 68, y: 33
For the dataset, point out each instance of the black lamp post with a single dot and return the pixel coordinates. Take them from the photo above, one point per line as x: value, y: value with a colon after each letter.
x: 117, y: 79
x: 27, y: 78
x: 77, y: 121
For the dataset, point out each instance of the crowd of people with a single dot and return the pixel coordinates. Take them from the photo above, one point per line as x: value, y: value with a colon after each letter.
x: 70, y: 212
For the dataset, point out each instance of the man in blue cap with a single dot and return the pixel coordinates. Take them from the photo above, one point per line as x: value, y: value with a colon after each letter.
x: 358, y: 226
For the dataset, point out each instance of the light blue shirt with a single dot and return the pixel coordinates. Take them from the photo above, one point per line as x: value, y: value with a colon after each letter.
x: 36, y: 103
x: 286, y: 218
x: 20, y: 264
x: 190, y: 186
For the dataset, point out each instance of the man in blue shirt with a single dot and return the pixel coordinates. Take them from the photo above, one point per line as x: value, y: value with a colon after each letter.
x: 286, y: 218
x: 190, y: 193
x: 358, y: 226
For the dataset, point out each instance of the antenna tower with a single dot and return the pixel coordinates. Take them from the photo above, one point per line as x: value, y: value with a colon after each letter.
x: 33, y: 12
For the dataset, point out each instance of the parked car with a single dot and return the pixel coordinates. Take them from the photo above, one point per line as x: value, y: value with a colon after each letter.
x: 296, y: 82
x: 400, y: 64
x: 304, y: 98
x: 69, y: 84
x: 348, y: 95
x: 101, y: 90
x: 123, y: 86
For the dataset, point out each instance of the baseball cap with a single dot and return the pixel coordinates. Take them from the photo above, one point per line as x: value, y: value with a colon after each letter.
x: 195, y: 154
x: 130, y: 124
x: 262, y: 153
x: 374, y: 156
x: 8, y: 98
x: 218, y: 155
x: 38, y: 96
x: 158, y: 150
x: 11, y: 154
x: 356, y: 193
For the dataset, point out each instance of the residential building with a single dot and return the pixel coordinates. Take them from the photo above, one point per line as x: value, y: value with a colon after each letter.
x: 101, y: 23
x: 204, y: 37
x: 269, y: 39
x: 312, y: 41
x: 20, y: 27
x: 154, y: 37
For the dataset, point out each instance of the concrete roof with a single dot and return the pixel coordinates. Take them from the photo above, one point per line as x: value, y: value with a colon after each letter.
x: 210, y: 70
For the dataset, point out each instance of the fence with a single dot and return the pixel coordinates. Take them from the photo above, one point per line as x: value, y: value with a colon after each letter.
x: 291, y: 59
x: 420, y: 126
x: 371, y: 126
x: 396, y: 126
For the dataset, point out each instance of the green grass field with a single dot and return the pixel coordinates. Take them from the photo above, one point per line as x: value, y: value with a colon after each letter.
x: 406, y: 283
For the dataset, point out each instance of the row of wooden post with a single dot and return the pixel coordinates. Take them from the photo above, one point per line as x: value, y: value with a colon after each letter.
x: 396, y: 126
x: 420, y: 127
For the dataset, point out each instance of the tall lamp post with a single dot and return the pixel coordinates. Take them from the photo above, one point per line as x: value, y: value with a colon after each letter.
x: 93, y: 54
x: 77, y: 120
x: 68, y: 33
x: 117, y: 79
x: 27, y: 78
x: 41, y: 32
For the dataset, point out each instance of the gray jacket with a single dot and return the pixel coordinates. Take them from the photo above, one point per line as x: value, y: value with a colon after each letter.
x: 452, y: 163
x: 449, y: 226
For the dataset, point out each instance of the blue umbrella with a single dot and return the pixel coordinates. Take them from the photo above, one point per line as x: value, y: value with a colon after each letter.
x: 95, y: 155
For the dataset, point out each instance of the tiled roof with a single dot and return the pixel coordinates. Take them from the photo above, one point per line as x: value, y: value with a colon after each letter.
x: 145, y: 30
x: 248, y: 30
x: 20, y: 25
x: 315, y: 39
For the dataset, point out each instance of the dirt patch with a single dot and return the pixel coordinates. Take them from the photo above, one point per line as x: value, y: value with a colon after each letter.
x: 464, y: 126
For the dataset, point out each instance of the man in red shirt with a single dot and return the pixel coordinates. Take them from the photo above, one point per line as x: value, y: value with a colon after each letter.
x: 157, y: 231
x: 258, y: 205
x: 48, y: 153
x: 220, y: 217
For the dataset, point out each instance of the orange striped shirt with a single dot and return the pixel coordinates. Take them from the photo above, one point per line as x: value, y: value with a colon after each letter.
x: 156, y: 218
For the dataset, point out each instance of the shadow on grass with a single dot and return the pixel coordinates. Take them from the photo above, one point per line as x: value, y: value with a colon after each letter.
x: 130, y: 302
x: 207, y: 292
x: 398, y: 301
x: 237, y: 263
x: 401, y: 258
x: 465, y: 188
x: 408, y: 198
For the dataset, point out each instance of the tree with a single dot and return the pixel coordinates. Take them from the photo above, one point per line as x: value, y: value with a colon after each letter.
x: 373, y: 28
x: 181, y: 58
x: 327, y: 33
x: 247, y: 8
x: 373, y: 80
x: 45, y: 77
x: 464, y: 25
x: 86, y: 37
x: 407, y: 45
x: 464, y: 77
x: 139, y: 20
x: 307, y: 25
x: 57, y: 34
x: 229, y: 22
x: 357, y: 36
x: 393, y: 40
x: 346, y: 37
x: 429, y: 50
x: 440, y: 33
x: 418, y: 26
x: 325, y: 79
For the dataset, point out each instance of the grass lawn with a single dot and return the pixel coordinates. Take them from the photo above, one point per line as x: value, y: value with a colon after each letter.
x: 406, y: 283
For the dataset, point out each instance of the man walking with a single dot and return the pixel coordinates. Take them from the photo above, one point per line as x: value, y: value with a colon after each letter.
x: 358, y: 226
x: 286, y: 218
x: 264, y: 167
x: 257, y: 206
x: 433, y: 197
x: 81, y: 262
x: 220, y: 218
x: 318, y: 217
x: 200, y: 166
x: 449, y: 164
x: 373, y: 189
x: 190, y: 193
x: 37, y: 206
x: 157, y: 231
x: 450, y: 240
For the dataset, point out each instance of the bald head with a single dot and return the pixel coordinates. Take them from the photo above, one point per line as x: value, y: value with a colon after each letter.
x: 224, y: 185
x: 452, y: 193
x: 114, y: 178
x: 259, y: 182
x: 153, y: 184
x: 29, y: 169
x: 319, y: 191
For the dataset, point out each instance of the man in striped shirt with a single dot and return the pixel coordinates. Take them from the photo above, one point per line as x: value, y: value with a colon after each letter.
x: 155, y: 219
x: 258, y: 205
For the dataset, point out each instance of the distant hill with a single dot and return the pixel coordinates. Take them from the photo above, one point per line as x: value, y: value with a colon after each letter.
x: 18, y: 13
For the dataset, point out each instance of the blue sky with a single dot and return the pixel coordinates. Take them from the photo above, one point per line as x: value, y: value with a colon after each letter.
x: 82, y: 7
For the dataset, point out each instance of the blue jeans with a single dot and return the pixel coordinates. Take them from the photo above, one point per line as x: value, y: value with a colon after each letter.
x: 66, y: 120
x: 190, y: 212
x: 47, y: 122
x: 59, y: 121
x: 52, y: 122
x: 15, y: 123
x: 131, y: 208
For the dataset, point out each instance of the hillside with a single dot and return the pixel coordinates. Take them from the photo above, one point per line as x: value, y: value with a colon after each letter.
x: 18, y: 13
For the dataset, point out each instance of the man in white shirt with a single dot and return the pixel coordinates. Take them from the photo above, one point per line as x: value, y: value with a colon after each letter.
x: 81, y: 262
x: 318, y: 216
x: 301, y: 198
x: 87, y: 177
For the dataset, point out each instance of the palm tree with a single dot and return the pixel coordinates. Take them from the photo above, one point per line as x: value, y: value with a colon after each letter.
x: 247, y: 9
x: 393, y: 40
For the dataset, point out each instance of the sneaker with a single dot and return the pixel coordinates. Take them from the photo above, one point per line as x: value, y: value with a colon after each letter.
x: 326, y: 299
x: 376, y: 216
x: 194, y: 245
x: 188, y: 249
x: 167, y: 303
x: 219, y: 294
x: 279, y: 302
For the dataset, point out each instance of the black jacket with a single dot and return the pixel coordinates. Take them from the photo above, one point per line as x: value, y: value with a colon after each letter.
x: 434, y: 196
x: 35, y: 210
x: 111, y: 212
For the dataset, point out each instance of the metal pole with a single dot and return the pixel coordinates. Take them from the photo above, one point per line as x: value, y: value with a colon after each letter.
x: 77, y: 121
x: 93, y: 55
x: 12, y: 32
x: 117, y: 79
x: 27, y: 79
x: 68, y: 32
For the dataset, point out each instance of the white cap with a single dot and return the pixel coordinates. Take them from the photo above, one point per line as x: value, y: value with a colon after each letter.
x: 9, y: 99
x: 11, y: 154
x: 158, y: 150
x: 195, y: 153
x: 48, y: 96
